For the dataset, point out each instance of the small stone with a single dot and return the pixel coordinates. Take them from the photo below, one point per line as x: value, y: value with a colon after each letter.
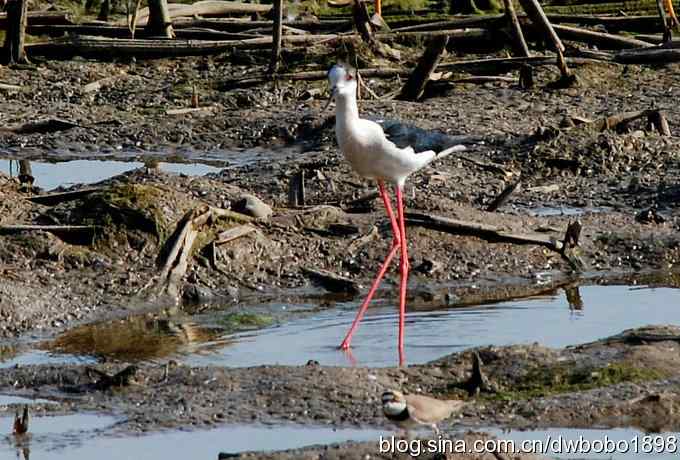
x: 252, y: 206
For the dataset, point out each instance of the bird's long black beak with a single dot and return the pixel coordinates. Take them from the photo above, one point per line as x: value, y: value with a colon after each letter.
x: 330, y: 98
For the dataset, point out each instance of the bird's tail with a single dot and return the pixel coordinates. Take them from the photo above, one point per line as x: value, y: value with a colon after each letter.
x: 446, y: 152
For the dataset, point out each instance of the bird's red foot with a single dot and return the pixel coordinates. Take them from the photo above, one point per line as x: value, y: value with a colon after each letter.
x: 344, y: 345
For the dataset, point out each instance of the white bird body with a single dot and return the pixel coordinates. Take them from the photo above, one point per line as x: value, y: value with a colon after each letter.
x: 364, y: 144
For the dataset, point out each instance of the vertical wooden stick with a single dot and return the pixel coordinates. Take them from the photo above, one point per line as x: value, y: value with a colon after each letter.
x: 415, y: 86
x: 521, y: 48
x: 276, y: 37
x: 15, y: 36
x: 378, y: 7
x: 538, y: 17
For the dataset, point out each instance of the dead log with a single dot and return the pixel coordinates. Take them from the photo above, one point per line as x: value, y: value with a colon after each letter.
x: 653, y: 55
x: 599, y: 39
x: 415, y: 85
x: 276, y: 37
x: 520, y: 45
x: 13, y: 50
x: 493, y: 233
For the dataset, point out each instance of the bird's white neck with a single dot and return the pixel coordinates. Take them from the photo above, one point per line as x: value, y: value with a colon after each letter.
x: 346, y: 108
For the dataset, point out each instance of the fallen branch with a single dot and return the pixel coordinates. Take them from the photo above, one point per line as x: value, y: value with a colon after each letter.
x: 493, y: 233
x: 174, y: 256
x: 600, y: 39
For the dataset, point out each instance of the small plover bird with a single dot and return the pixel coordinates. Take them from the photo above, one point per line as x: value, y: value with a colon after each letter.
x: 408, y: 411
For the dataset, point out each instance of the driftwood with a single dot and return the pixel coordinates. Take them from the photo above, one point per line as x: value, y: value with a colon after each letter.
x: 174, y: 256
x: 331, y: 281
x: 493, y: 233
x: 185, y: 110
x: 415, y: 85
x: 52, y: 199
x: 655, y: 117
x: 599, y: 39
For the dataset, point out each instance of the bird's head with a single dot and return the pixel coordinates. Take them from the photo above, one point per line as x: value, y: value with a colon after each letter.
x: 342, y: 80
x: 394, y: 402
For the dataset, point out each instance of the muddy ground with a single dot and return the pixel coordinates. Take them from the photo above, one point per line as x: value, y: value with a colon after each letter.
x: 50, y: 282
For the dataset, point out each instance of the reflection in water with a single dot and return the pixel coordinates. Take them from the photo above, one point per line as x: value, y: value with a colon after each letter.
x: 78, y: 444
x: 573, y: 298
x: 51, y: 175
x: 133, y: 339
x: 434, y: 328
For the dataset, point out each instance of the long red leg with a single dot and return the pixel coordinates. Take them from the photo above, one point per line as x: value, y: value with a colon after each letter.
x: 404, y: 266
x: 395, y: 247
